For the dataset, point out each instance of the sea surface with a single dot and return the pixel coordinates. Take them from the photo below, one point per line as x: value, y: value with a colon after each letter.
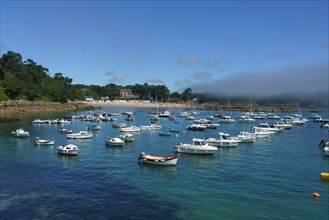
x: 273, y: 178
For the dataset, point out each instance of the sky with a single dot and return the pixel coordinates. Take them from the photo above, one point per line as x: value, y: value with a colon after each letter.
x: 223, y: 47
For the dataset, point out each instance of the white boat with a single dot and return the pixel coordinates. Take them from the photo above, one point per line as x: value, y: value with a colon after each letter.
x: 201, y: 121
x: 39, y: 141
x: 198, y: 146
x: 196, y: 127
x: 114, y: 142
x: 131, y: 129
x: 282, y: 125
x: 245, y: 119
x: 80, y: 135
x: 94, y: 127
x: 211, y: 126
x: 65, y: 130
x: 224, y: 140
x: 226, y: 119
x: 325, y: 125
x: 69, y: 149
x: 164, y: 114
x: 20, y: 133
x: 266, y: 127
x: 314, y: 116
x: 325, y: 147
x: 151, y: 127
x: 127, y: 137
x: 39, y: 121
x: 246, y: 137
x: 158, y: 160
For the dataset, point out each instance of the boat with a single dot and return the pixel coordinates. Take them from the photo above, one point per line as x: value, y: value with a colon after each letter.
x: 20, y: 133
x: 65, y: 130
x: 314, y: 116
x: 196, y: 127
x: 158, y: 160
x: 80, y: 135
x: 120, y: 125
x: 198, y: 146
x: 69, y: 149
x: 39, y: 121
x: 151, y: 127
x: 164, y: 114
x: 174, y: 130
x: 266, y: 127
x: 114, y: 142
x: 131, y: 129
x: 211, y: 126
x: 246, y: 137
x: 39, y: 141
x: 282, y: 125
x: 224, y: 140
x: 324, y: 176
x: 94, y: 127
x: 245, y: 119
x: 325, y: 147
x: 127, y: 137
x: 226, y: 119
x: 164, y: 133
x: 324, y: 125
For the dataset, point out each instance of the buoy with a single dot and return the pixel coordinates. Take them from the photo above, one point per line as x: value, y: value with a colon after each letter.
x: 315, y: 194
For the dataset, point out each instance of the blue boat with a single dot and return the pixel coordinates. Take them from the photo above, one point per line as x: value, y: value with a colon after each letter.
x: 163, y: 133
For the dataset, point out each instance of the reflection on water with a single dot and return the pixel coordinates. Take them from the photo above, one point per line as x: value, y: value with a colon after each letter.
x: 68, y: 159
x: 170, y: 170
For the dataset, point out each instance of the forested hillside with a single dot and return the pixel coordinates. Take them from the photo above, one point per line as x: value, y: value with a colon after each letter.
x: 30, y: 81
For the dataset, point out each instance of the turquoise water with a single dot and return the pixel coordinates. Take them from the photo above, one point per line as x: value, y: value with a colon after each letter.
x: 273, y: 178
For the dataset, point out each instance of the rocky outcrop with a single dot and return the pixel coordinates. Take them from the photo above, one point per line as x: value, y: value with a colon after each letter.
x: 23, y: 106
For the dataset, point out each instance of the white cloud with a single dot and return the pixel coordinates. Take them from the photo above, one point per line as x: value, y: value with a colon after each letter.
x: 154, y: 80
x: 189, y: 61
x: 181, y: 82
x: 202, y: 75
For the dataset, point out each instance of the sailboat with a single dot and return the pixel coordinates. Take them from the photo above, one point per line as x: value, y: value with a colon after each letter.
x: 226, y: 118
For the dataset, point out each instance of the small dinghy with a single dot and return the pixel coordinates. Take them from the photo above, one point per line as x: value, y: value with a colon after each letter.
x: 157, y: 160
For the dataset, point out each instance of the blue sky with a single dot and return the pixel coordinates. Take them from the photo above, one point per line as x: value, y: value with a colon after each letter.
x: 226, y: 47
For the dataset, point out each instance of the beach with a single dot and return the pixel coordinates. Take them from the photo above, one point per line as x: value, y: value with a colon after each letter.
x: 137, y: 104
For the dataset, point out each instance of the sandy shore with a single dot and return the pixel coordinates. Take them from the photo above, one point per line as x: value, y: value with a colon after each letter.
x: 138, y: 105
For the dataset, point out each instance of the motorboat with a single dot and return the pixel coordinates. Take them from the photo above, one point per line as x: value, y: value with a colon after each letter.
x: 80, y: 135
x: 151, y: 127
x: 127, y: 137
x: 246, y: 137
x: 164, y: 133
x: 158, y: 160
x: 120, y: 125
x: 224, y: 140
x: 94, y: 127
x: 39, y: 121
x: 20, y: 133
x: 196, y: 127
x: 282, y: 125
x: 314, y: 116
x: 266, y: 127
x: 69, y: 149
x: 164, y: 114
x: 211, y: 126
x: 245, y: 119
x: 39, y: 141
x: 198, y: 146
x: 65, y: 130
x: 131, y: 129
x: 114, y: 142
x: 201, y: 121
x: 226, y: 119
x: 324, y: 125
x: 174, y: 130
x: 325, y: 147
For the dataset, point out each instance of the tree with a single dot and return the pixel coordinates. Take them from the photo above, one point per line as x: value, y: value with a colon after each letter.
x: 186, y: 94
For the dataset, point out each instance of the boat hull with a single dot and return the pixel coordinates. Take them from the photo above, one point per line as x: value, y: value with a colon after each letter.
x: 193, y: 150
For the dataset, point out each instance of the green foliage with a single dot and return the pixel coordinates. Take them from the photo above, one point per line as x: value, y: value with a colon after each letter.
x: 27, y: 80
